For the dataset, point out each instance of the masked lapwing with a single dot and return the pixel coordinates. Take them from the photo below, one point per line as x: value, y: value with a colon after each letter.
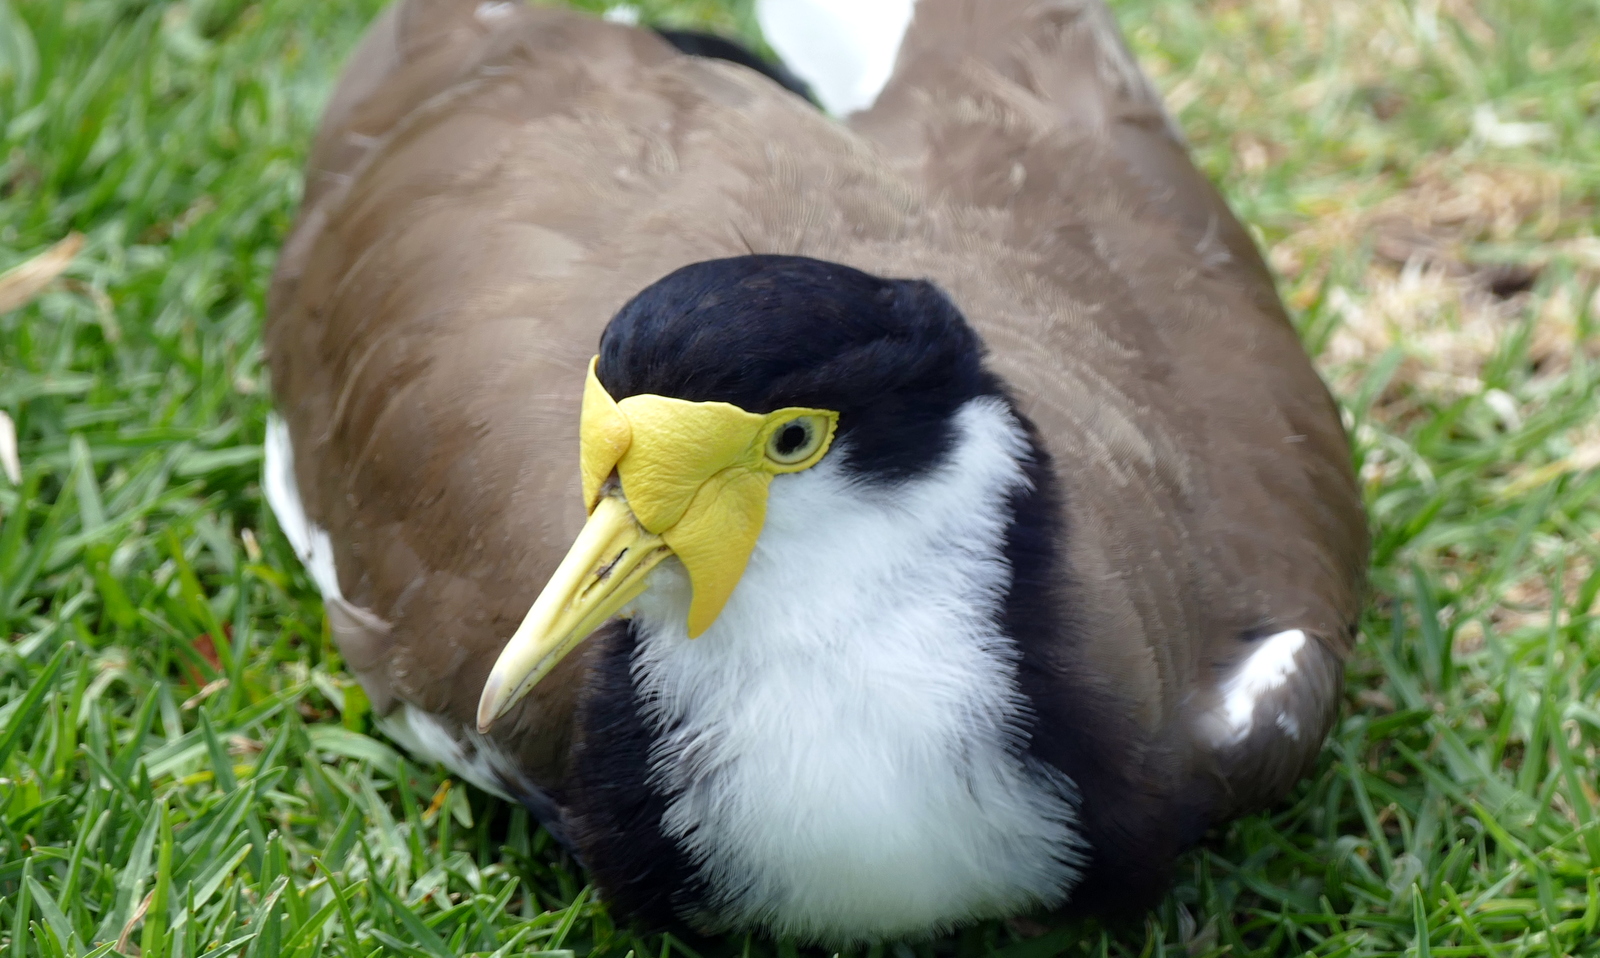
x: 838, y: 528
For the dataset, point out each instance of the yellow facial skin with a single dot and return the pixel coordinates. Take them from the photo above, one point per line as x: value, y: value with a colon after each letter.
x: 692, y: 481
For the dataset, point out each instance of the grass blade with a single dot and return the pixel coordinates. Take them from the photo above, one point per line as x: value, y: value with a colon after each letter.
x: 28, y: 714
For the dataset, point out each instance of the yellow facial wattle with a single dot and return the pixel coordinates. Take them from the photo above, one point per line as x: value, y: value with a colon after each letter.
x: 692, y: 481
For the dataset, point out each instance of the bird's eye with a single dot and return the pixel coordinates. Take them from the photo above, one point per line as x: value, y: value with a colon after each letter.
x: 795, y: 440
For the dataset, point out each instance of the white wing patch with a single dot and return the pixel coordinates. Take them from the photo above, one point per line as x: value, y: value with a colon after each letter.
x: 1267, y: 668
x: 310, y: 541
x: 846, y: 49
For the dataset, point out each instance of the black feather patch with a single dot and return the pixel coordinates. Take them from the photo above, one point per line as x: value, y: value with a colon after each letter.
x: 615, y: 813
x: 1081, y: 725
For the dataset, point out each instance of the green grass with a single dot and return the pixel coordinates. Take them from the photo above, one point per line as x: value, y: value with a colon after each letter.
x: 162, y: 794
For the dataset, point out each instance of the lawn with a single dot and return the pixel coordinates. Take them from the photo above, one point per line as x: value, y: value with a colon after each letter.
x: 186, y: 770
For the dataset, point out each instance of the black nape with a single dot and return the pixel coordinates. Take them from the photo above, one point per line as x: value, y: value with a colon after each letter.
x: 698, y: 44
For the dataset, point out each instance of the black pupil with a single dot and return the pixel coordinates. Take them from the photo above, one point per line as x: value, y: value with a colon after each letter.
x: 791, y: 438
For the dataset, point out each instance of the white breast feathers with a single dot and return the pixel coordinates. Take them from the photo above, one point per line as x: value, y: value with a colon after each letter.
x: 844, y: 748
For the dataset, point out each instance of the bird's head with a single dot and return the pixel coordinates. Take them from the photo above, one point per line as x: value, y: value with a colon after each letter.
x: 715, y: 384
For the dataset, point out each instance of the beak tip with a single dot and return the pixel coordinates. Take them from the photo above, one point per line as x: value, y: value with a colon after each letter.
x: 488, y: 704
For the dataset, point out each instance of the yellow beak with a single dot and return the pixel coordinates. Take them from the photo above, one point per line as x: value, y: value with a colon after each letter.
x: 695, y: 477
x: 604, y: 571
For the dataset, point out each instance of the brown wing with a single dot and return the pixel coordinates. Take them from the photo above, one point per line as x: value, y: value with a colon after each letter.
x: 1211, y: 498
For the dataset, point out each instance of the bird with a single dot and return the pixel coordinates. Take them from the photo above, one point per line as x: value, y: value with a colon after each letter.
x: 842, y: 521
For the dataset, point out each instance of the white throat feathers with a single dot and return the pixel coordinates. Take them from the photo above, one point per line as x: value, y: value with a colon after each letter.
x: 844, y: 751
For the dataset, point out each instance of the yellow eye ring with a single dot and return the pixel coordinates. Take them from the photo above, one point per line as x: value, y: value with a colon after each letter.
x: 797, y: 440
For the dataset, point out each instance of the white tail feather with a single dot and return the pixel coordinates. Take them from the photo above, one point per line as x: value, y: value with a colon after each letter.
x: 846, y: 49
